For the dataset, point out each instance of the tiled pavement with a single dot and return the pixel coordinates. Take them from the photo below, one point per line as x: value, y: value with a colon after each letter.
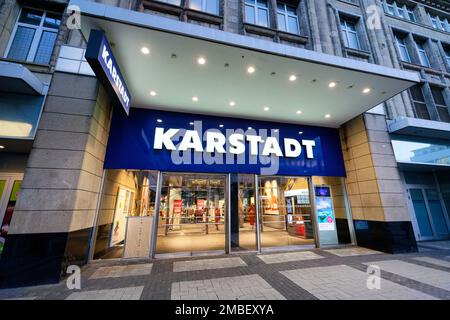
x: 310, y: 274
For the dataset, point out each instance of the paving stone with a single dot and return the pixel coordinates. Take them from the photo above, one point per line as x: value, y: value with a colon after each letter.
x: 250, y: 287
x: 288, y: 256
x: 122, y: 271
x: 342, y: 282
x: 355, y: 251
x: 438, y: 262
x: 430, y: 276
x: 205, y: 264
x: 131, y: 293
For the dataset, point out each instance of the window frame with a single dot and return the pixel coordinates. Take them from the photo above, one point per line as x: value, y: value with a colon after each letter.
x: 421, y: 102
x: 422, y: 52
x: 345, y: 31
x: 39, y: 31
x: 286, y: 16
x: 255, y: 7
x: 408, y: 12
x: 439, y: 23
x: 203, y: 8
x: 403, y: 45
x: 438, y: 105
x: 447, y: 54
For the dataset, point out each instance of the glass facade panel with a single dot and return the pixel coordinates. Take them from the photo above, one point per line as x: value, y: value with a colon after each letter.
x: 437, y: 214
x: 421, y: 212
x: 45, y: 48
x: 192, y: 213
x: 31, y: 16
x: 126, y: 195
x: 285, y: 211
x: 424, y: 153
x: 21, y: 44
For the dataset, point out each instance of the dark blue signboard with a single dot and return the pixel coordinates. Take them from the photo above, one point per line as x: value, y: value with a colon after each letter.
x: 181, y: 142
x: 104, y: 65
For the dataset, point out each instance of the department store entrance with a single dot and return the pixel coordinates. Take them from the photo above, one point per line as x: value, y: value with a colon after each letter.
x: 192, y: 213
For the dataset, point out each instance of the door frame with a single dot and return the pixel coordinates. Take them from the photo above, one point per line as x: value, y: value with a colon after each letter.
x: 10, y: 177
x: 412, y: 211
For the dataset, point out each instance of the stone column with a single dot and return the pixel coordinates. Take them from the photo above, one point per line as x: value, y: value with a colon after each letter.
x: 378, y: 203
x: 54, y: 215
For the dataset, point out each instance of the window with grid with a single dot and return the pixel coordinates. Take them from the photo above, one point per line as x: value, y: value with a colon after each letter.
x: 402, y: 48
x: 257, y: 12
x: 34, y: 36
x: 439, y: 101
x: 210, y: 6
x: 439, y: 22
x: 399, y: 10
x: 287, y: 18
x: 420, y: 107
x: 349, y: 33
x: 422, y: 54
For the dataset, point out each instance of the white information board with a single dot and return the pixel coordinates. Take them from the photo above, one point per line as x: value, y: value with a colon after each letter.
x: 138, y: 234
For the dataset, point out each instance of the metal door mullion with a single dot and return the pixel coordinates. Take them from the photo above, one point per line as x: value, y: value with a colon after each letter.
x: 430, y: 217
x: 441, y: 200
x: 258, y: 222
x: 154, y: 236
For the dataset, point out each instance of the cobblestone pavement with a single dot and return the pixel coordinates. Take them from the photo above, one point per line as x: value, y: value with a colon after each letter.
x: 338, y: 273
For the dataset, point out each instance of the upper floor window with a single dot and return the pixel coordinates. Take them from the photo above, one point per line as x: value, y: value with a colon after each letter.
x: 447, y: 55
x: 287, y: 18
x: 439, y: 23
x: 257, y: 12
x: 420, y: 107
x: 402, y: 49
x: 34, y: 36
x: 210, y: 6
x: 174, y: 2
x: 349, y: 34
x: 399, y: 10
x: 422, y: 54
x: 439, y: 101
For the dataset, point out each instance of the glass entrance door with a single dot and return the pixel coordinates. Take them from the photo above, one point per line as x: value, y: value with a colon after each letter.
x: 285, y: 211
x: 429, y: 213
x: 192, y: 213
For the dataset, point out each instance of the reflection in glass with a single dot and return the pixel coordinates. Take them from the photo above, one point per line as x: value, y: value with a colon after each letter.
x: 417, y: 152
x: 285, y: 211
x: 192, y: 213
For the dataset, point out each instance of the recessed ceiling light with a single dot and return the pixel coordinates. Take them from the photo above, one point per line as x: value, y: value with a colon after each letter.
x: 145, y: 50
x: 299, y: 112
x: 276, y: 130
x: 250, y: 128
x: 191, y: 123
x: 194, y: 98
x: 201, y: 60
x: 158, y: 120
x: 328, y: 115
x: 293, y: 77
x: 266, y: 108
x: 152, y: 93
x: 232, y: 103
x: 251, y: 69
x: 300, y: 132
x: 332, y: 84
x: 366, y: 90
x: 221, y: 125
x: 2, y: 147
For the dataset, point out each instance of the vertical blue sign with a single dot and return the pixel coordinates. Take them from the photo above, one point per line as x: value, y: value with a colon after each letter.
x: 102, y: 61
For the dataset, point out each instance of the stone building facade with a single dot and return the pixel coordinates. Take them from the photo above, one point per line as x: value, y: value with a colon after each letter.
x: 55, y: 217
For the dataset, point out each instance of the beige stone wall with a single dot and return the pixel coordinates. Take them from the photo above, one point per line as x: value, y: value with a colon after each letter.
x: 373, y: 180
x: 63, y: 174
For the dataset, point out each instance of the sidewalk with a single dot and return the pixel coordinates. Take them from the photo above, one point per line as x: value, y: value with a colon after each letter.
x: 313, y: 274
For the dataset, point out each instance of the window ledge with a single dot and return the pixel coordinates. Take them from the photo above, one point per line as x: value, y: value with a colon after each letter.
x: 162, y: 7
x: 419, y: 24
x: 256, y: 29
x: 204, y: 16
x: 357, y: 53
x: 419, y: 67
x: 293, y: 37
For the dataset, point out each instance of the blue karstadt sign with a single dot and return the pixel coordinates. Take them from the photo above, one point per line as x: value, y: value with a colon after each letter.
x: 172, y: 141
x: 102, y: 61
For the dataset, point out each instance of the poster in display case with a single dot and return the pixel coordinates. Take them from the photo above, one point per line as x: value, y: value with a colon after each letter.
x: 124, y: 205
